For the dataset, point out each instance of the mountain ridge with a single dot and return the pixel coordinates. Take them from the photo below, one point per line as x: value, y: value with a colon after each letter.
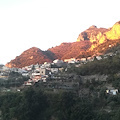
x: 86, y: 45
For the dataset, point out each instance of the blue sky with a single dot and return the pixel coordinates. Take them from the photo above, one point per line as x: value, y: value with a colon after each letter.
x: 48, y: 23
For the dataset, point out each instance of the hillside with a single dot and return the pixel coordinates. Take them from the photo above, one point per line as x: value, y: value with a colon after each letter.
x: 31, y: 56
x: 69, y: 50
x: 89, y: 42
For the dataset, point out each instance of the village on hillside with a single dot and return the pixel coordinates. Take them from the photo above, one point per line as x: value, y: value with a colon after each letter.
x: 48, y: 75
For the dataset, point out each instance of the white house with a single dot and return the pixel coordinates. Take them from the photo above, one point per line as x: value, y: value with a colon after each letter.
x: 71, y: 60
x: 98, y: 57
x: 25, y: 74
x: 58, y: 61
x: 83, y: 59
x: 46, y: 65
x: 36, y: 74
x: 44, y: 79
x: 28, y: 68
x: 113, y: 92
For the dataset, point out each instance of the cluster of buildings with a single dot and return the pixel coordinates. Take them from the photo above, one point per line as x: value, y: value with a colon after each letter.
x: 41, y: 72
x: 88, y: 59
x: 44, y: 71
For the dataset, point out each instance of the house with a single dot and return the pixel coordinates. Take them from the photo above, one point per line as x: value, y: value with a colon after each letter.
x: 58, y: 61
x: 44, y: 79
x: 44, y: 71
x: 28, y: 83
x: 67, y: 60
x: 112, y: 92
x: 83, y: 59
x: 36, y: 66
x: 98, y: 57
x: 25, y: 74
x: 36, y: 78
x: 36, y: 74
x: 71, y: 60
x: 28, y: 68
x: 54, y: 70
x: 61, y: 69
x: 78, y: 60
x: 18, y: 90
x: 46, y: 65
x: 90, y: 59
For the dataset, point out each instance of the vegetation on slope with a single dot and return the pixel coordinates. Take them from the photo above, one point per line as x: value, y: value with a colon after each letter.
x: 37, y: 105
x: 110, y: 65
x: 34, y: 104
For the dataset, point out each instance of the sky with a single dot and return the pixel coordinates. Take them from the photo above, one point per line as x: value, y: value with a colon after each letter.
x: 48, y: 23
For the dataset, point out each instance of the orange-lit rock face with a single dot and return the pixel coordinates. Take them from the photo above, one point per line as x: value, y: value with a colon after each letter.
x: 93, y: 34
x: 92, y: 47
x: 31, y: 56
x: 102, y: 39
x: 114, y: 33
x: 100, y: 35
x: 10, y: 65
x: 89, y: 42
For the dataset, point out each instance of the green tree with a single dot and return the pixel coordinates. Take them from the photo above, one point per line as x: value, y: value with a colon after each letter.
x: 33, y: 105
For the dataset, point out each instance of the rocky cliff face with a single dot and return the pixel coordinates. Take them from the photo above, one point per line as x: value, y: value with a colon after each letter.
x: 114, y: 32
x: 98, y: 36
x: 93, y: 34
x: 89, y: 42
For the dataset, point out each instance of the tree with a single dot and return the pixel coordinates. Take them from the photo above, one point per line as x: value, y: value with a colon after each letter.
x: 33, y: 105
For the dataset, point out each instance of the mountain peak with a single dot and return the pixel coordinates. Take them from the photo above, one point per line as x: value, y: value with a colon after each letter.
x: 92, y: 34
x: 33, y: 50
x: 118, y: 22
x: 88, y: 43
x: 93, y: 26
x: 31, y: 56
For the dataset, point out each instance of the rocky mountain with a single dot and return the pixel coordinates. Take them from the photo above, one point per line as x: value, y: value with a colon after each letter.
x: 89, y: 42
x: 31, y: 56
x: 92, y: 34
x: 98, y: 36
x: 69, y: 50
